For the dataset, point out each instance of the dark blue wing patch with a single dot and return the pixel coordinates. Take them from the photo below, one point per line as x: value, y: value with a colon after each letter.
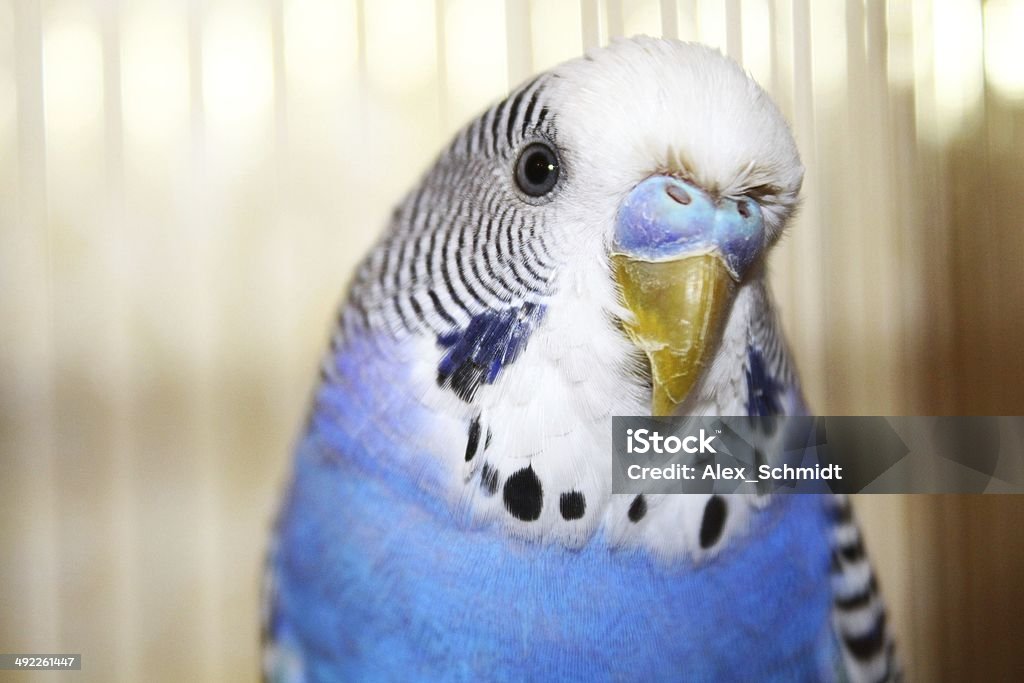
x: 476, y: 354
x: 763, y: 391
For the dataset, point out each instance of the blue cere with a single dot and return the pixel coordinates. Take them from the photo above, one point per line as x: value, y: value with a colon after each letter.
x: 477, y: 353
x: 664, y: 217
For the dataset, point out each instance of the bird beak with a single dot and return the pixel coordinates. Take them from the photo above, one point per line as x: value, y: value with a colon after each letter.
x: 678, y: 256
x: 679, y: 310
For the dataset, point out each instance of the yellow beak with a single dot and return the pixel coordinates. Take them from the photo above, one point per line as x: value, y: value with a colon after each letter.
x: 680, y: 307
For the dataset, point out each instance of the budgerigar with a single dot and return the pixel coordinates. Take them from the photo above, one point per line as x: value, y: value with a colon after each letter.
x: 593, y: 245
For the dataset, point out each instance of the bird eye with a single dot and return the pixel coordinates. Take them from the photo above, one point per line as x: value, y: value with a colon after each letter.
x: 537, y: 169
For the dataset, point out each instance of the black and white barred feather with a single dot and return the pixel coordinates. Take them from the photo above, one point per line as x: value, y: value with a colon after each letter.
x: 858, y: 612
x: 464, y: 241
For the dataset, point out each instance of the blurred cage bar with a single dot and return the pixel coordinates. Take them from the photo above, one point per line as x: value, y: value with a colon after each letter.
x: 186, y: 186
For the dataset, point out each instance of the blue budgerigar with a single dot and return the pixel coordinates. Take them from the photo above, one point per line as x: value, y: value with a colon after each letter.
x: 593, y: 245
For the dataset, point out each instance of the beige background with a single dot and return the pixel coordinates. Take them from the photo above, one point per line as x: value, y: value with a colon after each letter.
x: 186, y: 185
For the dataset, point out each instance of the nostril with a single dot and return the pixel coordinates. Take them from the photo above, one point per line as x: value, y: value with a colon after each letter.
x: 742, y: 208
x: 678, y: 194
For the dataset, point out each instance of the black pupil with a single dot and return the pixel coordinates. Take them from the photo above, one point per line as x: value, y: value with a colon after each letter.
x: 536, y: 170
x: 538, y: 166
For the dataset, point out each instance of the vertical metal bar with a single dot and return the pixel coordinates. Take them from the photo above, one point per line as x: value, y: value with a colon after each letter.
x: 1000, y: 276
x: 590, y: 23
x: 734, y: 29
x: 780, y: 32
x: 937, y: 265
x: 686, y: 15
x: 197, y: 109
x: 669, y: 19
x: 616, y: 25
x: 14, y: 571
x: 124, y: 583
x: 199, y: 433
x: 881, y: 185
x: 280, y: 80
x: 362, y: 66
x: 32, y: 464
x: 441, y: 52
x: 848, y: 299
x: 361, y: 32
x: 518, y: 40
x: 810, y: 252
x: 783, y: 265
x: 282, y: 239
x: 284, y: 243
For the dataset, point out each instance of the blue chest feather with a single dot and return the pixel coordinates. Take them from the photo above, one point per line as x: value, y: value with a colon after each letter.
x: 492, y: 340
x: 376, y: 579
x: 373, y: 586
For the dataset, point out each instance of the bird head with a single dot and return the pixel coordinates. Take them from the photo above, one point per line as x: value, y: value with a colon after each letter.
x: 685, y: 172
x: 642, y: 184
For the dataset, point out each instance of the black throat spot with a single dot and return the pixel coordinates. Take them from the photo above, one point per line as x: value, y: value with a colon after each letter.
x: 523, y: 495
